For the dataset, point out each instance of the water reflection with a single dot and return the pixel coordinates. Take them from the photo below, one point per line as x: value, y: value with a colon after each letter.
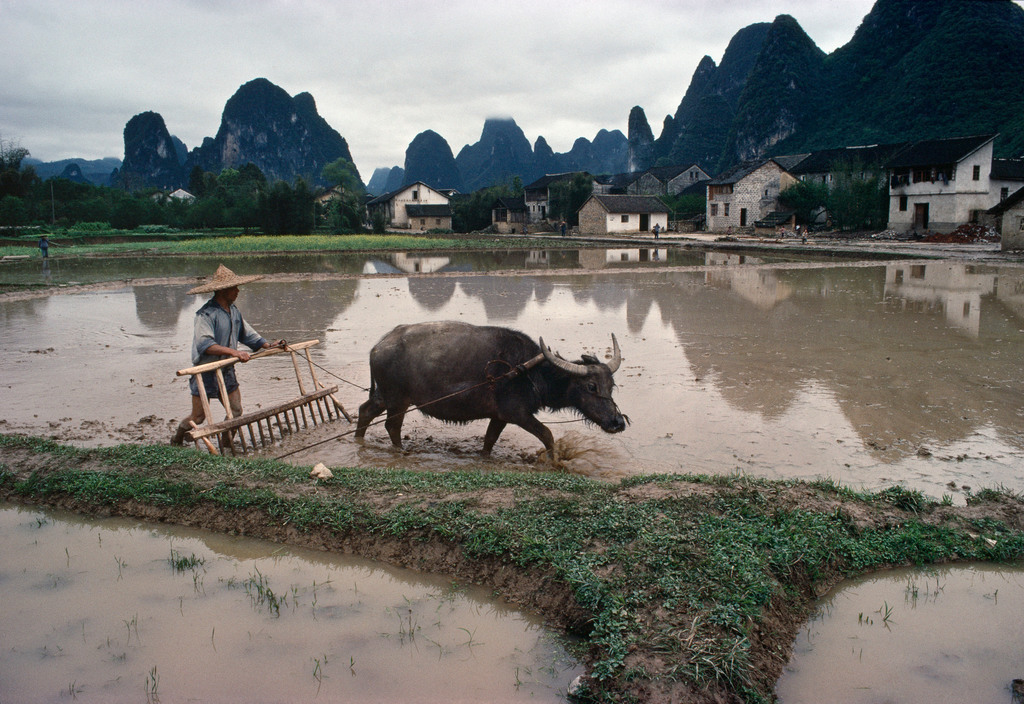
x: 103, y: 610
x: 954, y: 291
x: 912, y: 635
x: 602, y: 258
x: 64, y: 270
x: 736, y: 365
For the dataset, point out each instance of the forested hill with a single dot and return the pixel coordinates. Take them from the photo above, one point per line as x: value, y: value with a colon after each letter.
x: 914, y: 69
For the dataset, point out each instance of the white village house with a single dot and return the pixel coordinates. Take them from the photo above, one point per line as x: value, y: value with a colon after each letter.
x: 413, y: 207
x: 620, y: 214
x: 1008, y: 216
x: 940, y: 184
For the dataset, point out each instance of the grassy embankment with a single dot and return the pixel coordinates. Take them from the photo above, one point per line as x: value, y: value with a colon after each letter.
x: 233, y: 243
x: 686, y: 588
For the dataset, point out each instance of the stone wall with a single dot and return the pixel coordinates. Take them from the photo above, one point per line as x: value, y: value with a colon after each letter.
x: 593, y: 218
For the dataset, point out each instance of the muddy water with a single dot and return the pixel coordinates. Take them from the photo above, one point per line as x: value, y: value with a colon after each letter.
x: 867, y: 373
x: 914, y: 636
x: 95, y: 611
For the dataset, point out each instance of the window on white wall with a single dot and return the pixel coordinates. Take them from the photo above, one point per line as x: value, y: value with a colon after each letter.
x: 625, y: 218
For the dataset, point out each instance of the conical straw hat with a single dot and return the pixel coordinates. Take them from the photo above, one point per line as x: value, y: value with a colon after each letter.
x: 224, y: 278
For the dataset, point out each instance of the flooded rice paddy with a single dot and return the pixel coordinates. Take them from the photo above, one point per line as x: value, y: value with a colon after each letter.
x: 914, y: 636
x: 867, y: 373
x: 112, y: 610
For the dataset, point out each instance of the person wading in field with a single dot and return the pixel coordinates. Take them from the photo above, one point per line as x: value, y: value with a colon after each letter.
x: 218, y: 330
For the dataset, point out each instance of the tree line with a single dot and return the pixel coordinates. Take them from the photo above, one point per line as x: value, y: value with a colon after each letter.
x: 243, y: 198
x: 234, y: 198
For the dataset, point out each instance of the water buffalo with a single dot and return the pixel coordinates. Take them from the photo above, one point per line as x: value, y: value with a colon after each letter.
x: 459, y: 372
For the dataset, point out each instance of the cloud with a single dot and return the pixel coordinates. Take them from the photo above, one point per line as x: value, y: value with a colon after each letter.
x: 75, y: 71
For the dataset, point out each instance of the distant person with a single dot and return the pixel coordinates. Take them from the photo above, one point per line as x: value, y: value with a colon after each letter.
x: 44, y: 246
x: 657, y: 229
x: 563, y: 228
x: 218, y: 329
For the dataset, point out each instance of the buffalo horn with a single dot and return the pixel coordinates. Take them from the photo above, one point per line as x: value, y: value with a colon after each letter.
x: 581, y: 369
x: 564, y: 365
x: 613, y: 365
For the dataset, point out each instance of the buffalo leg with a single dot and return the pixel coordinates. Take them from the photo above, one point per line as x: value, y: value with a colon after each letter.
x: 367, y: 412
x: 394, y: 424
x: 540, y: 431
x: 494, y: 429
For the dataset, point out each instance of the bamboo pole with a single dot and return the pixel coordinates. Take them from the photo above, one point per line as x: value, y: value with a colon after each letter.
x: 286, y: 415
x: 298, y: 376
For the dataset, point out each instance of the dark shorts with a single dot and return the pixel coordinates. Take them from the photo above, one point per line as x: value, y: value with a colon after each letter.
x: 210, y: 382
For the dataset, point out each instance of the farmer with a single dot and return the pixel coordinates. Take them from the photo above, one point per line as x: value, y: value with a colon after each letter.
x: 44, y: 246
x: 218, y: 330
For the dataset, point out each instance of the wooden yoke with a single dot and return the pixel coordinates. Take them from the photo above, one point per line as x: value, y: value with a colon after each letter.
x: 286, y: 415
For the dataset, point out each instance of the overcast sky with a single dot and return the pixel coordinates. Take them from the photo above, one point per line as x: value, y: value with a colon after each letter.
x: 73, y: 72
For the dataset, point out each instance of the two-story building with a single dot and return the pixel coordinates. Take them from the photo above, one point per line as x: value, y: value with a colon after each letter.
x: 1007, y: 177
x: 746, y: 193
x: 508, y: 215
x: 413, y: 207
x: 823, y: 166
x: 940, y: 184
x: 537, y: 195
x: 666, y: 180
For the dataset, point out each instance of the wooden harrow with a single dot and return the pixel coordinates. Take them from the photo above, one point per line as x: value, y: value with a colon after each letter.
x: 266, y: 425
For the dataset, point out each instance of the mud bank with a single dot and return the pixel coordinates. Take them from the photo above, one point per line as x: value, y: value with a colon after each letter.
x: 685, y: 588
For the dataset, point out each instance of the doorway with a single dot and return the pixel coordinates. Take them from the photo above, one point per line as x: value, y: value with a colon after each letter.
x: 920, y: 216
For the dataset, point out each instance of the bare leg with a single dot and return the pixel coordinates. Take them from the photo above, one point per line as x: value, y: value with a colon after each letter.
x: 198, y: 415
x: 235, y: 403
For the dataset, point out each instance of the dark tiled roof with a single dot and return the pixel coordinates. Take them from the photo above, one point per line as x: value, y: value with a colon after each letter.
x: 510, y: 203
x: 774, y: 219
x: 823, y: 161
x: 631, y: 204
x: 1008, y: 169
x: 547, y: 179
x: 667, y: 173
x: 935, y: 152
x: 619, y: 181
x: 700, y: 188
x: 790, y: 161
x: 428, y: 211
x: 1002, y: 206
x: 738, y: 172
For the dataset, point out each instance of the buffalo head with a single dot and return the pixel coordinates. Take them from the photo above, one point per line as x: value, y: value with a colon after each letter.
x: 590, y: 386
